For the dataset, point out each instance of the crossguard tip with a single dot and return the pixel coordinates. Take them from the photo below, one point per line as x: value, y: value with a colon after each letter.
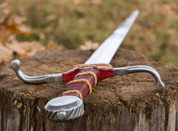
x: 15, y: 64
x: 160, y: 86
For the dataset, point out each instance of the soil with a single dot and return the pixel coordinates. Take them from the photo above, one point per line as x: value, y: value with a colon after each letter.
x: 133, y: 90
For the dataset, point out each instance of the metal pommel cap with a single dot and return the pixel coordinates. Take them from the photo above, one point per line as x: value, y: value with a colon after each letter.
x: 64, y: 108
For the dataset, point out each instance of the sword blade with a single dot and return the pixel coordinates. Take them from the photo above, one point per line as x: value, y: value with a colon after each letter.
x: 108, y: 48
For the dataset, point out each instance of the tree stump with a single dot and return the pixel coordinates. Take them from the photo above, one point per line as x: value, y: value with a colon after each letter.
x: 120, y: 103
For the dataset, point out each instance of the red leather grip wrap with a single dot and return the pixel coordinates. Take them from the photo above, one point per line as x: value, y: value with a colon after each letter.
x: 101, y: 72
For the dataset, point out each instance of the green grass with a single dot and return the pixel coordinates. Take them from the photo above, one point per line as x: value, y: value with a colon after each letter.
x: 154, y: 30
x: 171, y: 59
x: 32, y: 37
x: 161, y: 2
x: 174, y: 24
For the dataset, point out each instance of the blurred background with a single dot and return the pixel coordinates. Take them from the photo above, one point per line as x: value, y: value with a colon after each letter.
x: 30, y: 27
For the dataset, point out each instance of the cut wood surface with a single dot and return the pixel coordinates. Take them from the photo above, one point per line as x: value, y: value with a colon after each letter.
x: 120, y: 103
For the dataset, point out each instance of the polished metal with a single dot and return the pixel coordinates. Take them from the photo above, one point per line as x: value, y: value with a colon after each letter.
x: 35, y: 79
x: 109, y: 47
x: 64, y: 108
x: 141, y: 68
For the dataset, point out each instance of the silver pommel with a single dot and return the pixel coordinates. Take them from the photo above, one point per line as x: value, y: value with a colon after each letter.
x: 64, y: 108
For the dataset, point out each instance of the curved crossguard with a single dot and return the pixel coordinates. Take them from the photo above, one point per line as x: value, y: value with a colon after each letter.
x: 36, y: 79
x: 58, y: 77
x: 141, y: 68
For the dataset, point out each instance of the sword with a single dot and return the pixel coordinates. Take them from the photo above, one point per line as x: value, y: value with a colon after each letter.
x: 82, y: 77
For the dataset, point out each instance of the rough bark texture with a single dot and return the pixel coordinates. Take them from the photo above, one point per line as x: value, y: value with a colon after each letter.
x: 120, y: 103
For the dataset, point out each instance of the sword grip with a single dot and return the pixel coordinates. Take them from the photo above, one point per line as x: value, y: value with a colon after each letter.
x: 85, y: 79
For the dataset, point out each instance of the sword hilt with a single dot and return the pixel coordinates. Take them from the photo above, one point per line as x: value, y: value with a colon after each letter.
x: 81, y: 79
x: 87, y: 77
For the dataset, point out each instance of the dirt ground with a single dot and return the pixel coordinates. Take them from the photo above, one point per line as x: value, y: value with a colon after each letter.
x: 133, y: 90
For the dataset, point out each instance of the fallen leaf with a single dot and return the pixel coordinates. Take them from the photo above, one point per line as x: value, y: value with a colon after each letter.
x: 6, y: 54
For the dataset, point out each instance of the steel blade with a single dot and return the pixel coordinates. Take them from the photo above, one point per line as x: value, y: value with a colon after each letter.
x: 108, y: 48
